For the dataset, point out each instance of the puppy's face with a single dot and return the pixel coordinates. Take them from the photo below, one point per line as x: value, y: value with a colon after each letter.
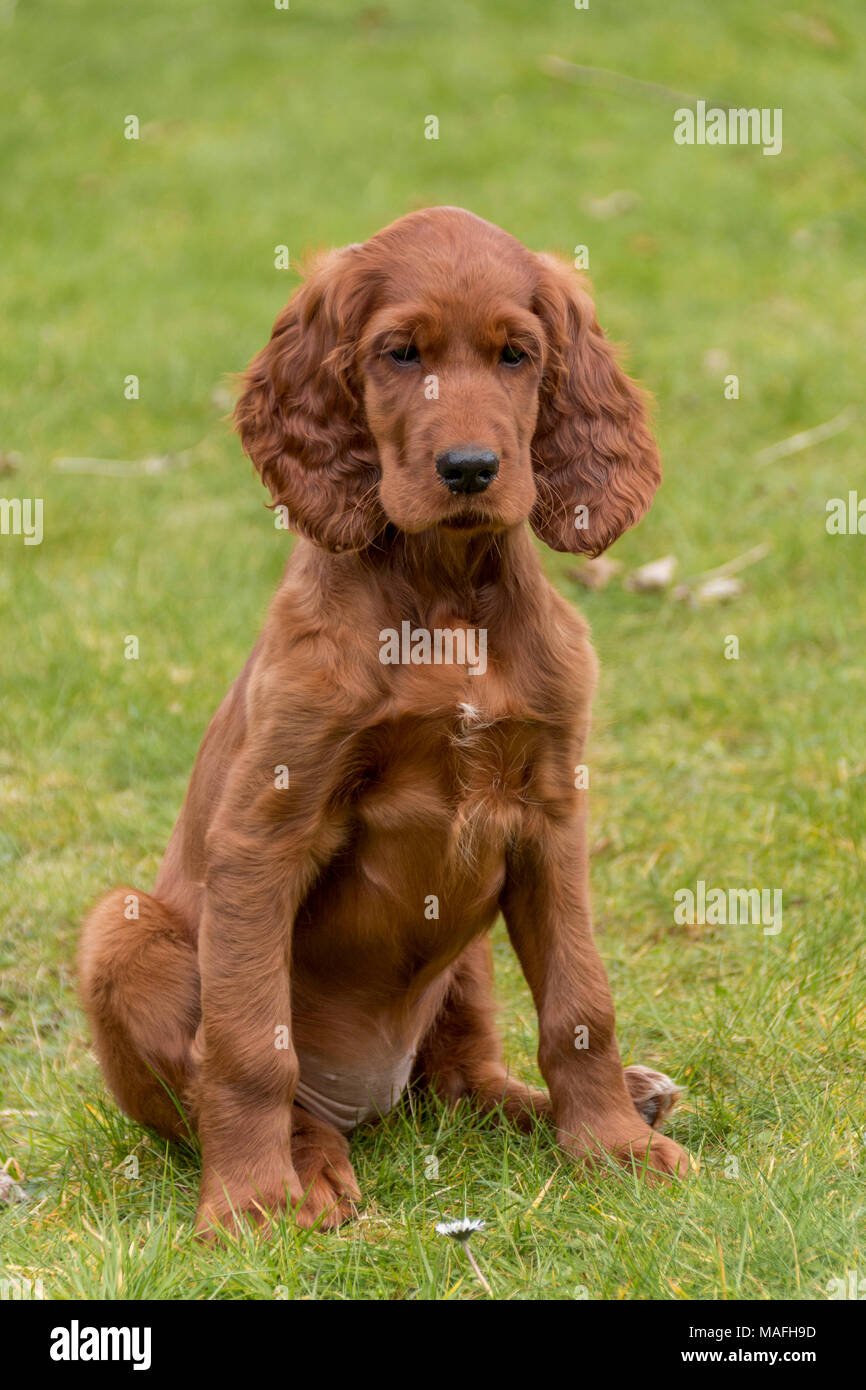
x: 452, y: 364
x: 440, y: 375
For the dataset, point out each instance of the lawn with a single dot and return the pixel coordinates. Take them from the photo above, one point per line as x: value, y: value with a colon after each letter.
x: 155, y: 258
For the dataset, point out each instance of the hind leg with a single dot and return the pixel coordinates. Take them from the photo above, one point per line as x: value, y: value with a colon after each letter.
x: 653, y: 1094
x: 139, y: 984
x: 321, y: 1158
x: 462, y: 1055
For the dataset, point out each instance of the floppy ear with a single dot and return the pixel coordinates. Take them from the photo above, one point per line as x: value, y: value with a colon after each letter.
x: 301, y: 417
x: 596, y: 463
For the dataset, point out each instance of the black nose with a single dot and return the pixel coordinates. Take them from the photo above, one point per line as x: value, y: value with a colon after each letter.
x: 467, y: 470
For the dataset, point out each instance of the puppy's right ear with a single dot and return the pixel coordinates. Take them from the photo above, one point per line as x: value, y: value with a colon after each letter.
x: 300, y: 414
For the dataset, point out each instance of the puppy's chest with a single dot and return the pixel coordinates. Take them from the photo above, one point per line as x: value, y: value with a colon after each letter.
x: 469, y: 778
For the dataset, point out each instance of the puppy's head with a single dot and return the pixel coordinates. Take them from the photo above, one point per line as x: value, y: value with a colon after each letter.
x: 440, y: 375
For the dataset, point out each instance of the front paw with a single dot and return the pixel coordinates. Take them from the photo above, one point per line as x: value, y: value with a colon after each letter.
x: 223, y: 1208
x: 660, y: 1158
x: 636, y: 1147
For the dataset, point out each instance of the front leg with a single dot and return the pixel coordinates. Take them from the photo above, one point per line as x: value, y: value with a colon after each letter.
x: 262, y: 859
x: 546, y: 908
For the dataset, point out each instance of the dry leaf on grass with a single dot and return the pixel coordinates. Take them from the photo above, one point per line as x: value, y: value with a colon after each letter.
x: 614, y: 205
x: 716, y: 360
x: 9, y: 1190
x: 596, y: 574
x: 719, y: 590
x: 658, y: 574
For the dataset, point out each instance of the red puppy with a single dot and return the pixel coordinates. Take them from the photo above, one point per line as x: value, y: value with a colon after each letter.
x: 394, y: 766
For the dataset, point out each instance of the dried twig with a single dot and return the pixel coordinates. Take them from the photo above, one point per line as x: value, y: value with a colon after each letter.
x: 739, y: 562
x: 124, y: 468
x: 533, y: 1206
x: 606, y: 77
x: 806, y: 438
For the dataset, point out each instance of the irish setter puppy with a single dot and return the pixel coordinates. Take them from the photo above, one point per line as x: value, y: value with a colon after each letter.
x: 395, y: 764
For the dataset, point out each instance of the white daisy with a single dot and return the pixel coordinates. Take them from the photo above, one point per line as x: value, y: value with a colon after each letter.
x: 460, y: 1230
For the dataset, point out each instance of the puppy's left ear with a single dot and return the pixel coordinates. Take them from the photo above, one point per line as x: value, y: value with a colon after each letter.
x: 596, y: 463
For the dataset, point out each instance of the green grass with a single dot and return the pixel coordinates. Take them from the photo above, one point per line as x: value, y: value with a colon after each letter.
x: 155, y: 258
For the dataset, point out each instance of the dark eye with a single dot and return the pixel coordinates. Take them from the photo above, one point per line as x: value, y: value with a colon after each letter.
x: 511, y: 356
x: 409, y: 353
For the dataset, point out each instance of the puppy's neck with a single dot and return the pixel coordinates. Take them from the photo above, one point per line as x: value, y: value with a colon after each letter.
x: 439, y: 563
x: 431, y: 579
